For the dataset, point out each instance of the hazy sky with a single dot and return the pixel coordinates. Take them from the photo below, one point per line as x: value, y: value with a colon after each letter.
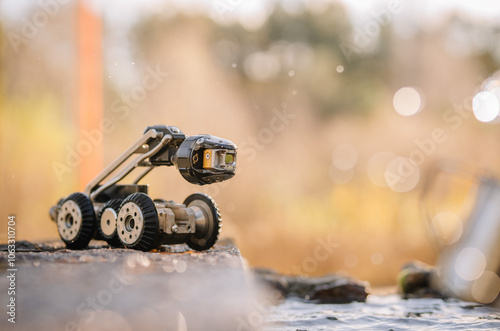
x: 481, y: 8
x: 359, y: 10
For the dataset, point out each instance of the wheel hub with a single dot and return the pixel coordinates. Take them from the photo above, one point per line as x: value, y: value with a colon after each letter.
x: 203, y: 217
x: 69, y: 220
x: 108, y: 222
x: 129, y: 223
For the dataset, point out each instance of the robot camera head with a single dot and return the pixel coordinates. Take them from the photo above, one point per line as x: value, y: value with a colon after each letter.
x: 206, y: 159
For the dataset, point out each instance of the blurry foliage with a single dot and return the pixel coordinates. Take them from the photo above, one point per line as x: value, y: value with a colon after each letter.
x: 301, y: 52
x: 29, y: 149
x: 467, y: 38
x: 290, y: 52
x: 315, y: 74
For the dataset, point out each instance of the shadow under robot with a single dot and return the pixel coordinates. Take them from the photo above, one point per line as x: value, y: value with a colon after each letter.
x: 125, y: 216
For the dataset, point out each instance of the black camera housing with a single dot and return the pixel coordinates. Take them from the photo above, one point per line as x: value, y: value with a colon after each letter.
x: 190, y: 157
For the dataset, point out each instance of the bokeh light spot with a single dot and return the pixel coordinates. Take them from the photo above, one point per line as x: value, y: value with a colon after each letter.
x: 447, y: 226
x: 351, y: 260
x: 344, y: 157
x: 377, y: 258
x: 407, y: 101
x: 251, y: 14
x: 470, y: 263
x: 262, y: 66
x: 402, y: 175
x: 340, y: 176
x: 376, y: 167
x: 485, y: 289
x: 485, y: 106
x: 180, y: 266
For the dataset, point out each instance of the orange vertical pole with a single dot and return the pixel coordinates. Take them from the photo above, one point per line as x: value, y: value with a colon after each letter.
x: 90, y: 92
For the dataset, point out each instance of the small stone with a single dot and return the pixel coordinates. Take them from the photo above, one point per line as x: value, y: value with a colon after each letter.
x: 327, y: 289
x: 339, y: 292
x: 415, y: 281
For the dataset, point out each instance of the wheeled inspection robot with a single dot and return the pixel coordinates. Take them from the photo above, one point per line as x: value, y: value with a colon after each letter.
x: 125, y: 216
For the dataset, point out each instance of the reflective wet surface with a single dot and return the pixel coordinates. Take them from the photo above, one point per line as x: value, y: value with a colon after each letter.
x: 383, y: 312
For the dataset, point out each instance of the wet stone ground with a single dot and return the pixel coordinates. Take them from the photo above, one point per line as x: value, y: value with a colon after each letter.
x: 103, y: 288
x: 382, y: 312
x: 175, y: 288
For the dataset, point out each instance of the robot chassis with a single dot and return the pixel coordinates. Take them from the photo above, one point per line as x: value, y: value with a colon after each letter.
x: 125, y: 216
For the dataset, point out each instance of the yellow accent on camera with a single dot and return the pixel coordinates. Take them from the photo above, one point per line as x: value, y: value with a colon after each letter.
x: 207, y: 159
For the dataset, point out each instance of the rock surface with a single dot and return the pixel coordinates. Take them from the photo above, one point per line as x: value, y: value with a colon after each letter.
x: 415, y: 280
x: 103, y: 288
x: 327, y: 289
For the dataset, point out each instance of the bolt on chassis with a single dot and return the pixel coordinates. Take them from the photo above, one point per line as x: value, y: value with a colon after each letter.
x: 125, y: 216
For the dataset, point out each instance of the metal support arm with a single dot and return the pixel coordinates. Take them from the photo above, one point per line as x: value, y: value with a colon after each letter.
x: 91, y: 190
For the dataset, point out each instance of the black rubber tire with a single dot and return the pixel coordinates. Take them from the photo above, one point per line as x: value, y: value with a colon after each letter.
x: 150, y: 233
x: 88, y: 224
x: 206, y: 239
x: 111, y: 240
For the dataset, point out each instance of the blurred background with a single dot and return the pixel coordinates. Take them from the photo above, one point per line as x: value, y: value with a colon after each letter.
x: 339, y: 109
